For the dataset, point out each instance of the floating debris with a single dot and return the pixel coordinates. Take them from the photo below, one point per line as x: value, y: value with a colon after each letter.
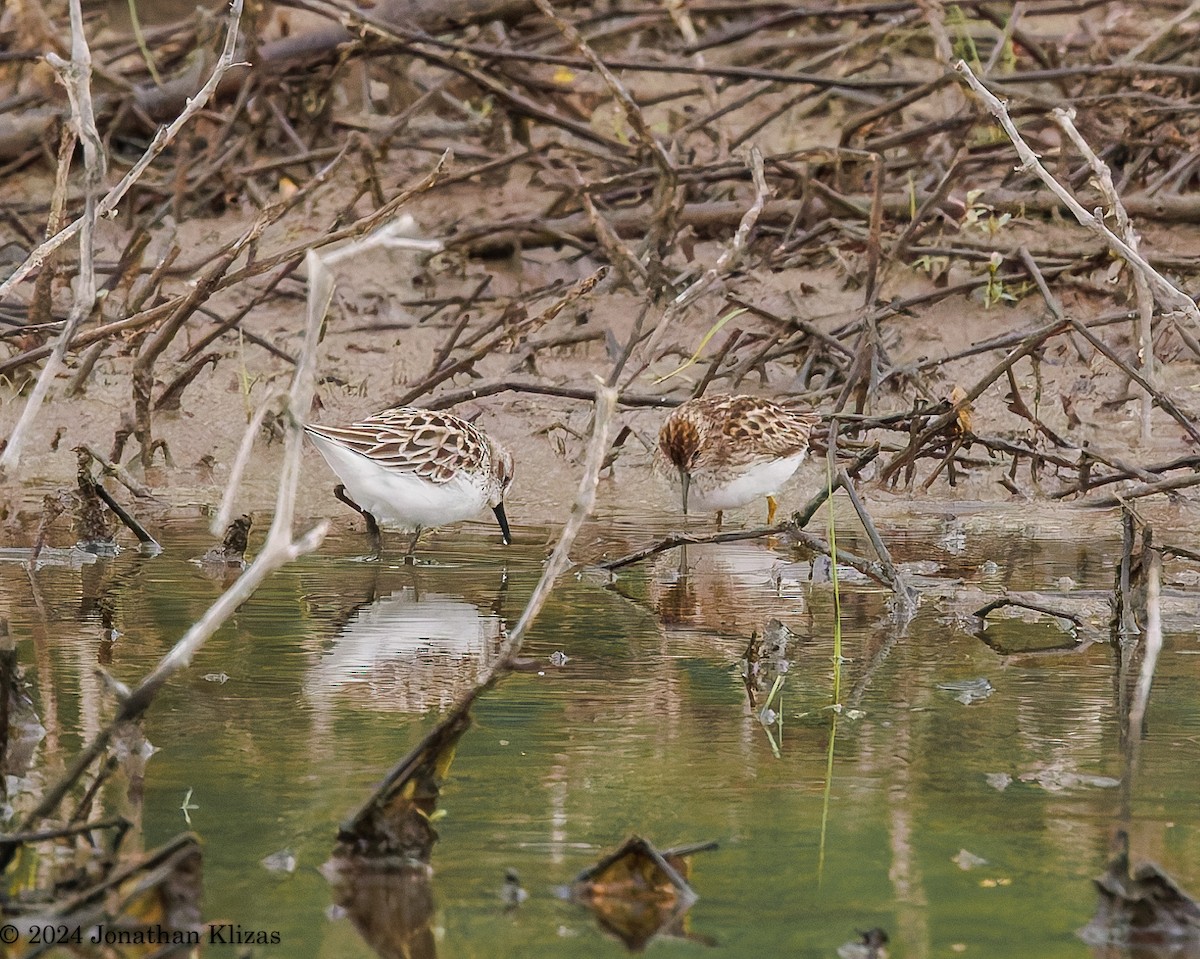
x: 998, y: 781
x: 967, y: 860
x: 1055, y: 779
x: 512, y: 894
x: 765, y: 661
x: 1144, y: 908
x: 638, y: 893
x: 871, y: 944
x: 968, y: 691
x: 282, y: 861
x: 232, y: 551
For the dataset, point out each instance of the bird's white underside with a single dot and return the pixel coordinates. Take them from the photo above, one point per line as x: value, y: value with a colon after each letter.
x: 403, y: 500
x: 761, y: 479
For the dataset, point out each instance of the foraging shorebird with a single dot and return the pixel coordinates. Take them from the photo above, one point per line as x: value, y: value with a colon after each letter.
x: 726, y: 451
x: 414, y: 469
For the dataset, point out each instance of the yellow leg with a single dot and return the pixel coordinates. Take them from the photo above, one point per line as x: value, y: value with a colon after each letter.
x: 772, y: 506
x: 720, y: 516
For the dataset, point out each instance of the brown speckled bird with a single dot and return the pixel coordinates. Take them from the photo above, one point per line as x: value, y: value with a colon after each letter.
x: 727, y: 451
x: 415, y: 468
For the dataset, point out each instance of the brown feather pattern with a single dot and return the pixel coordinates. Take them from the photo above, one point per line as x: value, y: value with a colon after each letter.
x: 433, y: 445
x: 722, y: 431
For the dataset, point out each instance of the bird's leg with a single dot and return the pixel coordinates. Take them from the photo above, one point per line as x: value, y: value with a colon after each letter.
x: 772, y: 506
x: 410, y: 557
x: 720, y: 517
x: 372, y: 526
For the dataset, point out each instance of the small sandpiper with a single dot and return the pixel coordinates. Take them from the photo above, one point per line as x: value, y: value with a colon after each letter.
x: 726, y: 451
x: 413, y: 469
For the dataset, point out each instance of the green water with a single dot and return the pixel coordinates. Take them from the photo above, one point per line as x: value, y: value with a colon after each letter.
x: 336, y: 667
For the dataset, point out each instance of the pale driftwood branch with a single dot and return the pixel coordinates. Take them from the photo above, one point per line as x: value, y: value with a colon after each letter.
x: 1153, y: 646
x: 1145, y: 299
x: 76, y: 76
x: 1169, y: 295
x: 162, y: 139
x: 726, y: 262
x: 224, y: 514
x: 279, y: 549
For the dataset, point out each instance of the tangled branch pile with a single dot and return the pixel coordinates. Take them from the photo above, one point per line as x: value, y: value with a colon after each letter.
x: 815, y: 182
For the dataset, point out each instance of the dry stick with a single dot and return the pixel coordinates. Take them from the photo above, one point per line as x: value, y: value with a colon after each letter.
x: 726, y: 262
x: 863, y: 376
x: 258, y: 267
x: 664, y: 203
x: 161, y: 141
x: 791, y: 526
x: 1029, y: 345
x: 687, y: 29
x: 417, y: 44
x: 40, y: 305
x: 127, y: 518
x: 203, y: 287
x: 224, y: 515
x: 1056, y: 309
x: 225, y: 325
x: 76, y: 75
x: 445, y: 401
x: 940, y: 192
x: 1027, y: 604
x: 580, y: 289
x: 560, y: 559
x: 1165, y: 402
x: 1145, y: 299
x: 1006, y: 35
x: 716, y: 361
x: 118, y: 472
x: 1144, y: 489
x: 712, y: 217
x: 1153, y: 646
x: 1164, y: 290
x: 633, y: 112
x: 444, y: 351
x: 1126, y: 471
x: 629, y: 267
x: 280, y: 548
x: 899, y: 585
x: 1151, y: 42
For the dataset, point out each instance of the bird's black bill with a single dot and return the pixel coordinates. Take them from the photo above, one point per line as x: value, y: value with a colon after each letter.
x: 685, y: 480
x: 505, y: 534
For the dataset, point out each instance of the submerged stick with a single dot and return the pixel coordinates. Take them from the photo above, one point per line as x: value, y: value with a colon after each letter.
x: 897, y: 582
x: 126, y: 517
x: 1153, y: 646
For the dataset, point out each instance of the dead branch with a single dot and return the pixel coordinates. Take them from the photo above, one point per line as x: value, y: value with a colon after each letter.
x: 1171, y: 297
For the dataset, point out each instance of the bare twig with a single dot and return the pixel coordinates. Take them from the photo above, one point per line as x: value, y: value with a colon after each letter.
x: 726, y: 262
x: 560, y: 559
x: 1145, y: 299
x: 162, y: 139
x: 279, y: 549
x: 77, y: 77
x: 1171, y: 297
